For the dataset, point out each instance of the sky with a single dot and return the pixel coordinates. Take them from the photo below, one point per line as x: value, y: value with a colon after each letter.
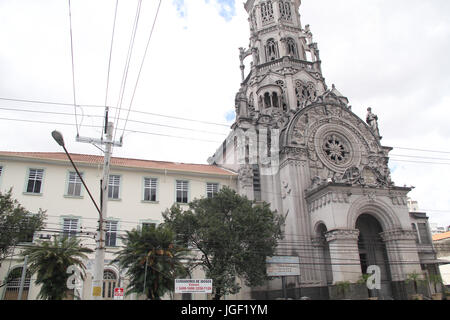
x: 388, y: 55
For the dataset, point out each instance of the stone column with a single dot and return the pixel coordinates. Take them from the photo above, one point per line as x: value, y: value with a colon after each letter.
x: 319, y: 244
x: 403, y: 259
x: 402, y: 253
x: 344, y: 255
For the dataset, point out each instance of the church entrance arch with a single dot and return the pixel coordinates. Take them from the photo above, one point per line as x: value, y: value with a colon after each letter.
x: 325, y: 264
x: 372, y: 251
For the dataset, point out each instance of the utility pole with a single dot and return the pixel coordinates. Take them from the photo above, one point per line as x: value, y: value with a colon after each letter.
x: 97, y: 284
x: 22, y: 279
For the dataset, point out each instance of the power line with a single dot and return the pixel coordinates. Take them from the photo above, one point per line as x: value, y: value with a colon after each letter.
x: 127, y: 65
x: 142, y: 64
x: 73, y: 69
x: 99, y: 116
x: 110, y: 58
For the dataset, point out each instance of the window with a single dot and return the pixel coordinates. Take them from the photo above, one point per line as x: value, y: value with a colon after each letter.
x: 35, y: 177
x: 415, y: 232
x: 267, y: 11
x: 212, y: 189
x: 285, y: 10
x: 114, y: 187
x: 70, y: 227
x: 271, y: 50
x: 423, y: 233
x: 150, y: 185
x: 148, y: 225
x: 109, y: 284
x: 74, y: 185
x: 111, y: 233
x: 13, y: 284
x: 292, y: 48
x: 256, y: 183
x: 182, y: 191
x: 26, y: 235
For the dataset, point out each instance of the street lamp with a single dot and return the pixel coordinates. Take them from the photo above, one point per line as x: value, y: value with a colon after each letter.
x: 100, y: 255
x: 60, y: 140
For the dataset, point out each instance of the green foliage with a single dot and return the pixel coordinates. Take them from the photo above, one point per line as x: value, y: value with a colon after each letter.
x: 16, y: 223
x: 435, y: 279
x: 233, y: 235
x: 153, y: 258
x: 342, y: 287
x: 364, y: 278
x: 50, y: 261
x: 415, y: 278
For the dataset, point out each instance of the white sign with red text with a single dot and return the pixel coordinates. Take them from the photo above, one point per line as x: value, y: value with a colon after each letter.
x: 193, y: 286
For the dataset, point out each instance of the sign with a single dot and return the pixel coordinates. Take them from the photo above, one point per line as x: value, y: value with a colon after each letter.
x: 283, y: 266
x: 193, y: 286
x: 97, y: 291
x: 118, y: 293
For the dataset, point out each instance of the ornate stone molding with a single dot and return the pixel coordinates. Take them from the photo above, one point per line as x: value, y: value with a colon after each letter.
x: 342, y: 234
x: 398, y: 234
x: 326, y: 199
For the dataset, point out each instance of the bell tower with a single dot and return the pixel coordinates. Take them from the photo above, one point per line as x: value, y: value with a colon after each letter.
x: 285, y: 73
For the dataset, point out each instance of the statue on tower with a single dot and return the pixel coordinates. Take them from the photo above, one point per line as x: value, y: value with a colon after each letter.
x: 372, y: 121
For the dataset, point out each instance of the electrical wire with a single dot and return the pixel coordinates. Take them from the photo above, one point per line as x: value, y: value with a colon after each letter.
x: 142, y: 64
x: 73, y: 70
x: 126, y: 69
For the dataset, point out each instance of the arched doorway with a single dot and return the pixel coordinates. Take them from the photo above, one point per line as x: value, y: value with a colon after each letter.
x: 109, y: 284
x: 13, y: 285
x: 324, y: 255
x: 372, y: 251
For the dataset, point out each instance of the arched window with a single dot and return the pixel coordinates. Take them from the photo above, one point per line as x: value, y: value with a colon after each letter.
x: 267, y: 11
x: 267, y: 100
x: 285, y: 10
x: 271, y: 50
x: 109, y: 284
x: 13, y: 285
x: 292, y: 48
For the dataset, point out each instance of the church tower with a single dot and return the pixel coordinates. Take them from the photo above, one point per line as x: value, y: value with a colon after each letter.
x: 297, y: 145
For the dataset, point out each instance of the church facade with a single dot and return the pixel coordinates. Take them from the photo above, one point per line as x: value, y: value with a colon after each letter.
x: 297, y: 145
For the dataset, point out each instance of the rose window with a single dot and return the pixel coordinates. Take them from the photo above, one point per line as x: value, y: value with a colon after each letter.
x: 336, y: 149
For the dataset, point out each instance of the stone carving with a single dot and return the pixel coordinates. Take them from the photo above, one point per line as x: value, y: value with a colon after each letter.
x: 349, y: 235
x: 246, y: 176
x: 398, y: 234
x: 286, y: 190
x: 372, y: 121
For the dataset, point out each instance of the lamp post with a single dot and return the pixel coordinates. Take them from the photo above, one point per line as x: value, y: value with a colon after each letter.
x: 100, y: 248
x: 60, y: 140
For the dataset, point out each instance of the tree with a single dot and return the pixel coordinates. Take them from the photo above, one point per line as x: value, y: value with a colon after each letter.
x: 153, y: 261
x: 50, y: 261
x: 16, y: 223
x: 234, y: 236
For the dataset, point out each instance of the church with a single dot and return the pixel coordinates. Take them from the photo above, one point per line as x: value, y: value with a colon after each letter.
x: 297, y: 145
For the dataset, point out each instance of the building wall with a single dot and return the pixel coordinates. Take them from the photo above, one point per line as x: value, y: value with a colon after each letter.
x: 130, y: 210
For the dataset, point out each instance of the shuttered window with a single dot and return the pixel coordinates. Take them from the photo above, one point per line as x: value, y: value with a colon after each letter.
x: 150, y: 185
x: 212, y: 189
x: 423, y: 232
x: 35, y: 177
x: 182, y: 191
x: 74, y: 185
x: 114, y: 187
x: 111, y: 233
x: 70, y: 227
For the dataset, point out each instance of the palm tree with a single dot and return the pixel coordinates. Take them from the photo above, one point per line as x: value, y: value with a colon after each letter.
x: 153, y: 261
x: 50, y: 260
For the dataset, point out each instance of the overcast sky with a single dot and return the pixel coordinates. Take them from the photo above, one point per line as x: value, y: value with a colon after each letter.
x: 392, y: 56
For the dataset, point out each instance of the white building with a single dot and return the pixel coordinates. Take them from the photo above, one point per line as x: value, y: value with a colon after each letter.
x: 139, y: 191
